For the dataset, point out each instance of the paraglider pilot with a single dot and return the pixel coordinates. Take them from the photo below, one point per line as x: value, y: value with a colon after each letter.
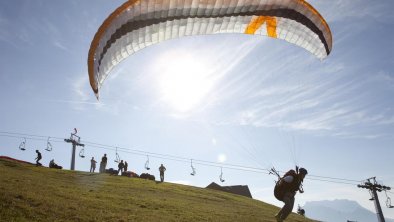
x: 286, y: 189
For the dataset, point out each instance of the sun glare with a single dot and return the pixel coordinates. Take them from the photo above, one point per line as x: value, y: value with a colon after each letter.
x: 184, y: 81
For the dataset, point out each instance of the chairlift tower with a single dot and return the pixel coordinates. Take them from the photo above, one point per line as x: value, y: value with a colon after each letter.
x: 75, y: 141
x: 374, y: 187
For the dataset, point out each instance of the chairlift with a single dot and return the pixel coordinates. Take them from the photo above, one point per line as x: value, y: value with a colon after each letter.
x: 22, y: 145
x: 49, y: 145
x: 117, y: 157
x: 147, y: 163
x: 221, y: 175
x: 82, y: 153
x: 388, y: 201
x: 193, y: 169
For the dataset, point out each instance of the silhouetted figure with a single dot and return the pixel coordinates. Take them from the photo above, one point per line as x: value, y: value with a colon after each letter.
x: 92, y: 165
x: 300, y: 211
x: 103, y: 163
x: 286, y: 189
x: 162, y: 169
x: 125, y: 166
x: 120, y: 167
x: 38, y: 158
x: 52, y: 164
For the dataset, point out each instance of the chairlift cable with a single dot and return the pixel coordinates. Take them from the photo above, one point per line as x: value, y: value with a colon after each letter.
x: 228, y: 166
x: 182, y: 159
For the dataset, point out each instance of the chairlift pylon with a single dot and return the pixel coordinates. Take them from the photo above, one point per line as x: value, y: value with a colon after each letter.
x: 49, y: 145
x: 147, y: 163
x: 193, y: 169
x: 221, y: 175
x: 117, y: 157
x: 22, y: 145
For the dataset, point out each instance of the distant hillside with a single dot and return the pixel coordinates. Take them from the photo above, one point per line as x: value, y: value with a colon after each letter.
x: 339, y: 210
x: 30, y: 193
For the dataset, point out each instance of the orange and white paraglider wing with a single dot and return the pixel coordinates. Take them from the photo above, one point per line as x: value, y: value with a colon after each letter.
x: 140, y: 23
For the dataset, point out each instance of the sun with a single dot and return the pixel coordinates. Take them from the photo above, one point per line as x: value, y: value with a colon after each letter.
x: 184, y: 81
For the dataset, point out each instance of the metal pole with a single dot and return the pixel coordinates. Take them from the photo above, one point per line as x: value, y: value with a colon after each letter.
x: 73, y: 156
x: 75, y: 144
x: 372, y: 185
x: 377, y: 206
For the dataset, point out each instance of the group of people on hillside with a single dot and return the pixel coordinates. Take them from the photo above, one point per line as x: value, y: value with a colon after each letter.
x: 52, y: 163
x: 103, y: 164
x: 122, y: 166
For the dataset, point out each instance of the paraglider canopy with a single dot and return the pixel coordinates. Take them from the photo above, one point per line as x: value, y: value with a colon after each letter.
x: 137, y: 24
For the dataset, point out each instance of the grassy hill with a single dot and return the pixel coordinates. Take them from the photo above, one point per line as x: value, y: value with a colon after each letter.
x: 30, y: 193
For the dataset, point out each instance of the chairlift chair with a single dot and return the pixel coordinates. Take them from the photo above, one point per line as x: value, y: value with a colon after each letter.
x: 372, y: 198
x: 117, y: 157
x: 22, y: 145
x: 147, y: 163
x: 193, y: 169
x: 49, y: 145
x: 388, y: 201
x: 221, y: 175
x: 82, y: 153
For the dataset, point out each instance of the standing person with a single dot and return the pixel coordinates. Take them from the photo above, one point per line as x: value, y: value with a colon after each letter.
x: 103, y: 163
x: 286, y: 189
x: 120, y: 167
x: 92, y: 165
x: 125, y: 166
x: 162, y: 169
x: 38, y: 158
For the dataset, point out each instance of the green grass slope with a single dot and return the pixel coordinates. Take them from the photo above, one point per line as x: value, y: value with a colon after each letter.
x: 30, y: 193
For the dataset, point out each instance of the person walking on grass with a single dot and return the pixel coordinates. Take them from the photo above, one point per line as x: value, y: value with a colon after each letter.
x: 92, y: 165
x: 162, y: 169
x: 38, y: 158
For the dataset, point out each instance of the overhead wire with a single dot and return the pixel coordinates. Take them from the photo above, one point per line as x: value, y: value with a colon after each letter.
x: 178, y: 158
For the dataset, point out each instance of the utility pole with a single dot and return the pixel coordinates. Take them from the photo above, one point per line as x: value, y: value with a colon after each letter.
x: 373, y: 187
x: 75, y: 141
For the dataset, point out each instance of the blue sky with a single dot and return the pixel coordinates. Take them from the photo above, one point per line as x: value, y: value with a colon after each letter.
x: 255, y: 101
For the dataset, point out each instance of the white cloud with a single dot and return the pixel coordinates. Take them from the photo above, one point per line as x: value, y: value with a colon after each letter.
x: 60, y: 46
x: 342, y: 10
x: 79, y: 88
